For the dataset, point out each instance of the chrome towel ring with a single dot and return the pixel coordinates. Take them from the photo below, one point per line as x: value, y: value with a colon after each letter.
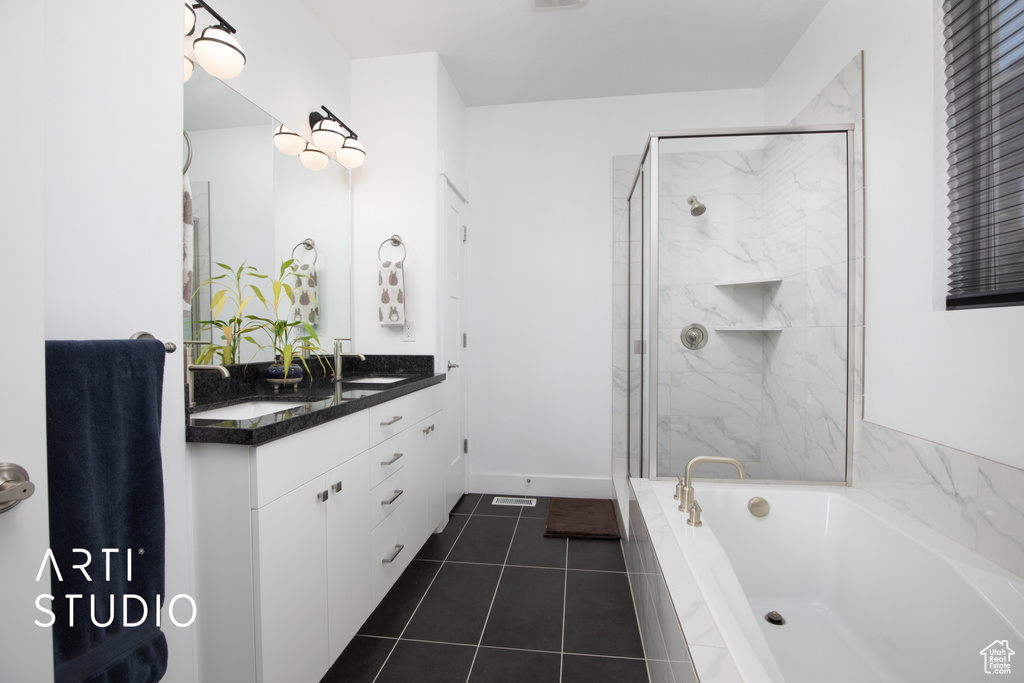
x: 396, y: 241
x: 308, y: 243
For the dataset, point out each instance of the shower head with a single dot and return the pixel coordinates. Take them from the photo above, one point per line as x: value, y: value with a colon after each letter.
x: 696, y: 208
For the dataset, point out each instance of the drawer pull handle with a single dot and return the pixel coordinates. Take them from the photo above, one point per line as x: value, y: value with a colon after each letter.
x: 336, y: 487
x: 389, y: 560
x: 323, y: 496
x: 393, y: 498
x: 392, y: 461
x: 428, y: 429
x: 392, y: 421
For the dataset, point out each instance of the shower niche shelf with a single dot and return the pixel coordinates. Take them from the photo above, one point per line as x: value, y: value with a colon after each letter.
x: 756, y: 281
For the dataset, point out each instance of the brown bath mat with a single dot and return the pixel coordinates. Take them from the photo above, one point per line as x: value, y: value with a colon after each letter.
x: 581, y: 518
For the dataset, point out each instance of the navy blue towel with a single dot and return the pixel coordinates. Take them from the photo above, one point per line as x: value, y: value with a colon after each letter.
x: 103, y: 407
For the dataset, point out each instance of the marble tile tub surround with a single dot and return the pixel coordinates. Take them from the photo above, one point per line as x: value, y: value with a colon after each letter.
x: 668, y: 601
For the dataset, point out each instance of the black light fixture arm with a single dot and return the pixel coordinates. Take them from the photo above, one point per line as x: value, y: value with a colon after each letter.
x: 315, y: 117
x: 225, y: 25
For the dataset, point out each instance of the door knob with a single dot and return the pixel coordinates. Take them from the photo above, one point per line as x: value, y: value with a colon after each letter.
x: 452, y: 365
x: 14, y: 485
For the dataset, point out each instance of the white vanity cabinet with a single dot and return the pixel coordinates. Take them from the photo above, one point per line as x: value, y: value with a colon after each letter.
x: 297, y: 540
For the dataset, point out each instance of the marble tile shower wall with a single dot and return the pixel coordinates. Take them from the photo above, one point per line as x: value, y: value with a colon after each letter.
x: 709, y: 400
x: 804, y: 400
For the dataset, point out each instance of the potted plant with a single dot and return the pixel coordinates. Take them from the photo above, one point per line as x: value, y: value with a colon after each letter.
x: 288, y: 338
x: 236, y: 295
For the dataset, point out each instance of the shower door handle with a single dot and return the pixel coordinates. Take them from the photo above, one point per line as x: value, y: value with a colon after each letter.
x: 14, y: 485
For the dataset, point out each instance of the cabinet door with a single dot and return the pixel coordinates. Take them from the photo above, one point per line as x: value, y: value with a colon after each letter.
x: 290, y: 567
x: 428, y: 437
x: 348, y: 547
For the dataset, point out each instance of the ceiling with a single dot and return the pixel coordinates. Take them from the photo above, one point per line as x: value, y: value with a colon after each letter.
x: 507, y: 51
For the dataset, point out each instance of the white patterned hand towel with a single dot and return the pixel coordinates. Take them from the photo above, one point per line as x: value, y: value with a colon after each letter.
x: 305, y: 299
x: 391, y: 285
x: 186, y: 246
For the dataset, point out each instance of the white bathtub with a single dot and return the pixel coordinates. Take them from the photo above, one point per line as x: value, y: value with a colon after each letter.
x: 868, y: 593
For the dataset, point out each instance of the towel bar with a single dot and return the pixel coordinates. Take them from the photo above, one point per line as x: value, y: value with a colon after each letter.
x: 169, y: 347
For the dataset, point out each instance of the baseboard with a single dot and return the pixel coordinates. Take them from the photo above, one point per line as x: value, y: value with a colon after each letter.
x: 565, y: 487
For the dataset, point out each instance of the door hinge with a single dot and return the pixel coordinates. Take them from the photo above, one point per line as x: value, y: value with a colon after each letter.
x: 465, y: 340
x: 465, y: 233
x: 465, y: 445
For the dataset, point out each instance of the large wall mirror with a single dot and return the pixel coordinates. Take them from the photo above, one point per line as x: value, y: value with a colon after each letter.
x: 253, y: 204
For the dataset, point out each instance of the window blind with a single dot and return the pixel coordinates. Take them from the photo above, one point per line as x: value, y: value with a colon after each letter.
x: 984, y: 45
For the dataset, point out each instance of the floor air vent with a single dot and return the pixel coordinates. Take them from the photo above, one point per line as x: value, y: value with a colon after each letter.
x: 515, y: 502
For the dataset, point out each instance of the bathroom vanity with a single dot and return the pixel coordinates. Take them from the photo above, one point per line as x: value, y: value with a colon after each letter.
x: 303, y: 528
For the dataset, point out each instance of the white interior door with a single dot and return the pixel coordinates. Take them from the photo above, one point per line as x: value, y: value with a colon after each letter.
x: 455, y: 356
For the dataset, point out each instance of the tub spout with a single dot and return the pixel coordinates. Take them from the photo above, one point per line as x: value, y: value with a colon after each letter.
x: 686, y: 499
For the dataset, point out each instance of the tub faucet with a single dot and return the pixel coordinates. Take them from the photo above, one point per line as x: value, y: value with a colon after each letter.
x: 338, y: 355
x: 191, y: 368
x: 684, y: 490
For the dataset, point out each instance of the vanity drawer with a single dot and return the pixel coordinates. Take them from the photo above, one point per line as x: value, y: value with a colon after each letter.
x: 388, y: 457
x: 387, y: 496
x: 388, y: 419
x: 391, y: 553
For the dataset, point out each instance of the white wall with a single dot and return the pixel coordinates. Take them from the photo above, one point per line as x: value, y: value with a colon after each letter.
x: 540, y: 279
x: 953, y: 378
x: 395, y: 101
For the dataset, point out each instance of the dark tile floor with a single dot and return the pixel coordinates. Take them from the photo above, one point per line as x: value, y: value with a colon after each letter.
x: 490, y: 599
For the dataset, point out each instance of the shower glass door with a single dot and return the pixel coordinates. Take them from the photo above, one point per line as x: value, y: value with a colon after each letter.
x: 749, y: 236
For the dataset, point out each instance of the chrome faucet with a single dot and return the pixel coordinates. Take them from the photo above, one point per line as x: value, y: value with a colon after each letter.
x: 684, y: 489
x: 191, y: 368
x: 338, y: 355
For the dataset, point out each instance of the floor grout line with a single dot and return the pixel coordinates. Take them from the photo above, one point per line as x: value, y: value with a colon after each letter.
x: 494, y: 596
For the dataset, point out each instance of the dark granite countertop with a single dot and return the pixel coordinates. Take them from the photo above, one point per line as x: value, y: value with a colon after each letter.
x: 316, y: 394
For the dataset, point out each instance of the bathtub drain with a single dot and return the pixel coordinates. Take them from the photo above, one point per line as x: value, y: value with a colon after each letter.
x: 775, y: 618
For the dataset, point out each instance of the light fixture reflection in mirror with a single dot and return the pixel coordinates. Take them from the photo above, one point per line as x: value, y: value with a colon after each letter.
x: 288, y: 141
x: 313, y: 159
x: 189, y: 68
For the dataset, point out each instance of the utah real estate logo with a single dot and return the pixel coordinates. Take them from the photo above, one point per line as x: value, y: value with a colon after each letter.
x: 997, y: 657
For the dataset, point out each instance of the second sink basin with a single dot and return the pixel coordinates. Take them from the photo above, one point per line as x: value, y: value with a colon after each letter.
x: 375, y: 380
x: 247, y: 410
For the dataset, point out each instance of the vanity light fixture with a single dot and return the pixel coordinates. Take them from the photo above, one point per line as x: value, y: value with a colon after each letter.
x: 332, y: 136
x: 190, y: 20
x: 351, y: 155
x: 216, y: 49
x: 313, y: 159
x: 288, y: 141
x: 189, y: 68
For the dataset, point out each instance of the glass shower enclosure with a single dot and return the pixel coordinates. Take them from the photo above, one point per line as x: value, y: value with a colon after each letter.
x: 740, y: 306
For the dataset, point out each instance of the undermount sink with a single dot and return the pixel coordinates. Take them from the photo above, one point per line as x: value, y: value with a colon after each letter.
x: 247, y: 410
x: 375, y: 380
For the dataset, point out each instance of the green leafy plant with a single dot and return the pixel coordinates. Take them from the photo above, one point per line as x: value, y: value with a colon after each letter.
x: 237, y: 293
x: 288, y: 338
